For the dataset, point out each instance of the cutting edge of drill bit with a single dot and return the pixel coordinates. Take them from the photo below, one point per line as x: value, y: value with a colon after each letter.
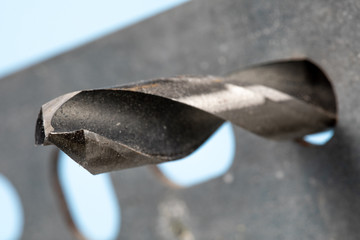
x: 167, y: 119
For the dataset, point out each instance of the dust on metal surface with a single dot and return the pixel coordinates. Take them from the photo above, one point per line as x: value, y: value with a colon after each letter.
x: 167, y: 119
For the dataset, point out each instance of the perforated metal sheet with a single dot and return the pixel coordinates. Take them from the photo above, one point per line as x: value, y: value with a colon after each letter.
x: 318, y: 196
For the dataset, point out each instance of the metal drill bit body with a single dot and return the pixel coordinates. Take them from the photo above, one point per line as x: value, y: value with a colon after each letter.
x: 166, y: 119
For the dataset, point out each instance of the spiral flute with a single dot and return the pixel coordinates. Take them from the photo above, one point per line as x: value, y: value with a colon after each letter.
x: 166, y: 119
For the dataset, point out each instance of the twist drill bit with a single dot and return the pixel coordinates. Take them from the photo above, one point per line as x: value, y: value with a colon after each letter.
x: 167, y: 119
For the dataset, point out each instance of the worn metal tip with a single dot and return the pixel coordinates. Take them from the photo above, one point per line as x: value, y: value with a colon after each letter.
x: 39, y: 130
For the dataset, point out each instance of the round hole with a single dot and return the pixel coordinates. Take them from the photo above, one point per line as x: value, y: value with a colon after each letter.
x: 11, y: 212
x: 211, y: 160
x: 91, y: 200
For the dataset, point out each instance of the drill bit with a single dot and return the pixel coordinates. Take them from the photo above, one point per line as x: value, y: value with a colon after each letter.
x: 166, y: 119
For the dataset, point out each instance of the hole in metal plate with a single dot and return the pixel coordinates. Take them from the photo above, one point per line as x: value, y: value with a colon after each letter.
x: 11, y: 211
x: 89, y: 202
x: 211, y: 160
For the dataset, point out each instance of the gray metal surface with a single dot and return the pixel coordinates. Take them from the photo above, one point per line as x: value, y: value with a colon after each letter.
x: 318, y: 195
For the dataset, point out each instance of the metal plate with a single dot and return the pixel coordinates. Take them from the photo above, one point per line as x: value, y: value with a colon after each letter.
x: 318, y: 196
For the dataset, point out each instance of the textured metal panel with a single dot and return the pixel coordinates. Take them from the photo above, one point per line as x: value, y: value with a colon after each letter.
x: 318, y: 196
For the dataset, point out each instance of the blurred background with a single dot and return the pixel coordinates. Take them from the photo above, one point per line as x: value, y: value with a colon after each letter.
x: 34, y: 31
